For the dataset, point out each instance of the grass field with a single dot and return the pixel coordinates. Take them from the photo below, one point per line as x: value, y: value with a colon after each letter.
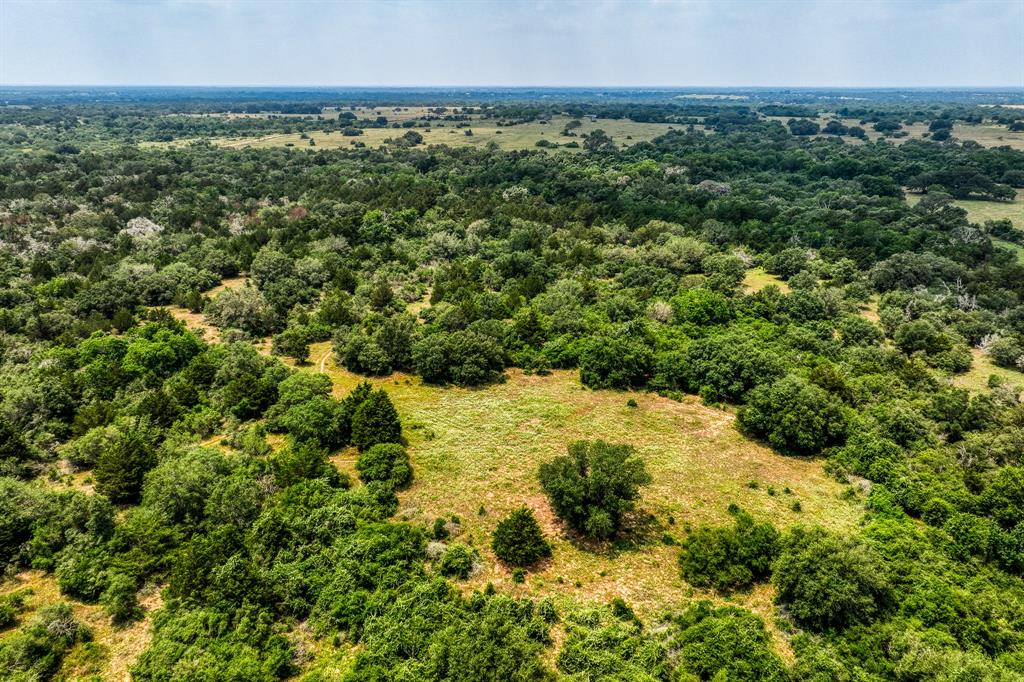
x: 480, y: 448
x: 757, y: 279
x: 475, y: 454
x: 980, y: 211
x: 981, y: 369
x: 485, y: 131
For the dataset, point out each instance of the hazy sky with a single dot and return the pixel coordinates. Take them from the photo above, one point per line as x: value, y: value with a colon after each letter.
x: 604, y: 42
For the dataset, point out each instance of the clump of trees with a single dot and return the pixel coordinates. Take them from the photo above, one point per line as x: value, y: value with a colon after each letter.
x: 594, y: 486
x: 829, y: 582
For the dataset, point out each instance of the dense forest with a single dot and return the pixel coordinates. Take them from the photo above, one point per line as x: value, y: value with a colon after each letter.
x: 209, y: 455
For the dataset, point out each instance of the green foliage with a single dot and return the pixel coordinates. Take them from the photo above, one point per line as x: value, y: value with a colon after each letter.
x: 387, y: 462
x: 465, y: 358
x: 827, y: 582
x: 594, y: 486
x: 518, y: 540
x: 729, y: 558
x: 36, y: 651
x: 724, y: 643
x: 794, y: 416
x: 615, y: 362
x: 375, y: 421
x: 457, y: 562
x: 121, y: 467
x: 596, y: 649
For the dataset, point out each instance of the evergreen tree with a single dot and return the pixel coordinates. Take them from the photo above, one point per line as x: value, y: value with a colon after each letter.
x: 376, y: 421
x: 518, y: 540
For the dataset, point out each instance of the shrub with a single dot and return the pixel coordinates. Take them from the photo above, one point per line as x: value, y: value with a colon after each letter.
x: 37, y: 651
x: 1003, y: 499
x: 457, y: 562
x: 518, y: 540
x: 120, y: 598
x: 729, y: 558
x: 725, y: 643
x: 794, y: 416
x: 828, y: 582
x: 386, y: 462
x: 376, y: 421
x: 121, y: 467
x: 466, y: 358
x: 787, y: 262
x: 701, y: 307
x: 594, y: 485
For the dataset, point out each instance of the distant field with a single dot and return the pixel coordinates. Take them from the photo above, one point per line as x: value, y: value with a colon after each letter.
x: 981, y: 211
x: 474, y: 448
x: 524, y: 136
x: 986, y: 134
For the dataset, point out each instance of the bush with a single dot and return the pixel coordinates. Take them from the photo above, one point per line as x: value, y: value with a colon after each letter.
x: 701, y: 307
x: 594, y: 486
x: 614, y: 362
x: 120, y: 598
x: 729, y: 558
x: 518, y: 540
x: 725, y: 643
x: 386, y: 462
x: 376, y: 421
x: 787, y: 262
x: 121, y: 468
x: 37, y: 651
x: 457, y: 562
x: 827, y: 582
x: 794, y: 416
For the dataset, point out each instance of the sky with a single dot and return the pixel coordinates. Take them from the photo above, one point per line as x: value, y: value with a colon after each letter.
x: 865, y: 43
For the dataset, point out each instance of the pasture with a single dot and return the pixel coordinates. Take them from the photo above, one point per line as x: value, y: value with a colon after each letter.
x: 980, y: 211
x: 475, y: 454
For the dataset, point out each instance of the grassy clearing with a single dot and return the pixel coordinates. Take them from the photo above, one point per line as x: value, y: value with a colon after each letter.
x: 757, y: 279
x: 979, y: 211
x: 197, y: 321
x: 113, y: 650
x: 976, y: 379
x: 474, y: 448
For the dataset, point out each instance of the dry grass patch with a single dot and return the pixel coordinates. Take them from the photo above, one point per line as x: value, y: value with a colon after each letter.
x: 113, y: 650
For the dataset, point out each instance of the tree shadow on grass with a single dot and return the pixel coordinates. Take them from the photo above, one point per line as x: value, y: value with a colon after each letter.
x: 640, y: 530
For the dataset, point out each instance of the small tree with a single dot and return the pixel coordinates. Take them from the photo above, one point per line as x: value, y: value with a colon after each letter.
x: 794, y: 416
x: 293, y: 343
x: 594, y: 486
x: 387, y: 462
x: 121, y: 467
x: 518, y: 540
x: 376, y: 421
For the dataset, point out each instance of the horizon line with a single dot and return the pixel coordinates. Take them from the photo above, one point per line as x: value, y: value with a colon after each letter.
x: 536, y: 87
